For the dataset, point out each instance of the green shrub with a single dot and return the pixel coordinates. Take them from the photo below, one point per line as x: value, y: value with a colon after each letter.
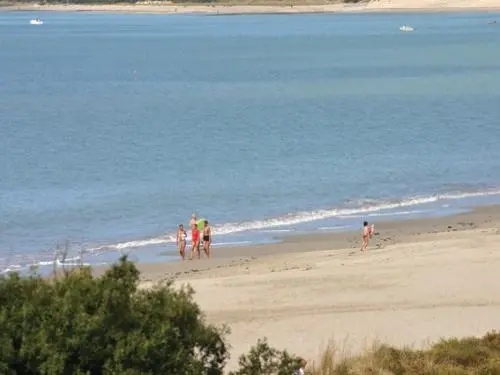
x: 78, y: 324
x: 264, y: 360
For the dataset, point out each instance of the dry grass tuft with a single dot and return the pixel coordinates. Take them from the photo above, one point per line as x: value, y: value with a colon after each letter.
x: 468, y: 356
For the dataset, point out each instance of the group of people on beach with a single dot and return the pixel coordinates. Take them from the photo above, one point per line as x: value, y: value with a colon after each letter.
x: 206, y: 236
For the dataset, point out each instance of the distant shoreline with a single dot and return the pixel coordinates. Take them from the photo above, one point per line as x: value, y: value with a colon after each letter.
x: 242, y: 9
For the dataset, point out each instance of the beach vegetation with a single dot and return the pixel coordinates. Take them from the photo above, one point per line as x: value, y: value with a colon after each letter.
x: 76, y: 323
x: 467, y: 356
x: 79, y: 324
x: 263, y: 359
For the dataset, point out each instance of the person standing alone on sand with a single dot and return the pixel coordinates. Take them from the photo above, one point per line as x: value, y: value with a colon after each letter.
x: 367, y: 234
x: 181, y: 241
x: 207, y: 238
x: 195, y: 241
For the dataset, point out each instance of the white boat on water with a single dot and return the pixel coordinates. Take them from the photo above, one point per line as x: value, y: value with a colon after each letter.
x: 36, y: 21
x: 406, y: 28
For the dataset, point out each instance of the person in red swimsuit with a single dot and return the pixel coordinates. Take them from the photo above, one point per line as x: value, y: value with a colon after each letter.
x: 195, y: 241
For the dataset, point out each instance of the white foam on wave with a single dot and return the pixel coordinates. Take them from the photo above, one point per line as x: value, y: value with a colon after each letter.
x: 304, y: 217
x: 276, y: 230
x: 231, y: 243
x: 379, y: 214
x: 70, y: 264
x: 136, y: 243
x: 335, y: 227
x: 30, y: 264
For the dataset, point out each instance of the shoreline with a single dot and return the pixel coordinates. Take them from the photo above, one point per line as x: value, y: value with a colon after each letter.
x: 387, y: 232
x: 382, y: 6
x: 163, y: 251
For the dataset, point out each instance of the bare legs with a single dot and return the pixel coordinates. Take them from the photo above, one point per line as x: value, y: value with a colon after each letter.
x: 182, y: 249
x: 195, y: 248
x: 206, y: 247
x: 364, y: 245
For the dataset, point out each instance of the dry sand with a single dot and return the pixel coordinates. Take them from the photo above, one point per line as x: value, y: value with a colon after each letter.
x: 419, y: 281
x: 371, y: 6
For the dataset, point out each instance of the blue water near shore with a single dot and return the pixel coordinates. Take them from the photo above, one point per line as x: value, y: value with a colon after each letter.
x: 115, y: 128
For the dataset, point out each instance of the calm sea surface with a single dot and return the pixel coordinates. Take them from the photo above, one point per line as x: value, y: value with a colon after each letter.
x: 115, y: 128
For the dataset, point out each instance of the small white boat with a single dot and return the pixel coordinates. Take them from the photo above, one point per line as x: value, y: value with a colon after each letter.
x: 406, y: 28
x: 36, y: 21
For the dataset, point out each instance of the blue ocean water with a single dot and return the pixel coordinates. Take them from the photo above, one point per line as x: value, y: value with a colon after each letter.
x: 115, y: 128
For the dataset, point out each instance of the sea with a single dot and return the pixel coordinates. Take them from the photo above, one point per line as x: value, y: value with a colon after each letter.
x: 115, y: 128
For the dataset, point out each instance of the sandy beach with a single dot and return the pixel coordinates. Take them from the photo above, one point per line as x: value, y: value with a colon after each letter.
x: 420, y: 280
x: 286, y: 8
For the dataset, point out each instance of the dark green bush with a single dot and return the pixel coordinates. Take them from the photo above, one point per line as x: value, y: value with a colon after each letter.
x: 265, y: 360
x: 77, y: 324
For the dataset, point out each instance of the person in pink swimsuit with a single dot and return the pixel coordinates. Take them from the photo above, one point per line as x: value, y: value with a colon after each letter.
x: 367, y: 234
